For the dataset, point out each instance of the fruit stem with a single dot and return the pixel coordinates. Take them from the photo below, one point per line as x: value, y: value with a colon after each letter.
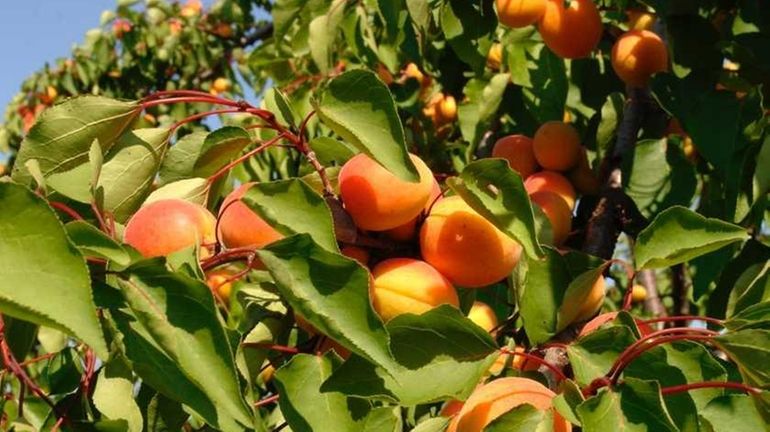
x: 205, y: 114
x: 270, y: 346
x: 537, y: 360
x: 64, y: 208
x: 265, y: 401
x: 228, y: 256
x: 710, y: 320
x: 630, y: 275
x: 188, y: 99
x: 710, y: 384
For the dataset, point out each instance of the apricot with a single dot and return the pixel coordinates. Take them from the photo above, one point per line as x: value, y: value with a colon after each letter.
x: 165, y: 226
x: 240, y: 226
x: 495, y: 56
x: 191, y: 8
x: 405, y: 285
x: 638, y: 293
x: 448, y: 109
x: 584, y: 307
x: 556, y: 146
x: 357, y: 253
x: 640, y: 20
x: 441, y: 109
x: 413, y: 71
x: 376, y: 199
x: 518, y: 151
x: 583, y: 178
x: 602, y: 319
x: 408, y: 231
x: 221, y: 85
x: 483, y: 316
x: 558, y: 213
x: 551, y: 181
x: 571, y: 32
x: 219, y: 283
x: 465, y: 247
x: 517, y: 362
x: 519, y: 13
x: 637, y: 55
x: 497, y: 397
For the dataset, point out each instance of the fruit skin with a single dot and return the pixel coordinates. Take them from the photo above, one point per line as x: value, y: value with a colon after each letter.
x: 637, y: 55
x: 408, y: 231
x: 497, y: 397
x: 583, y: 308
x: 221, y: 85
x: 640, y: 20
x: 518, y: 151
x: 558, y: 213
x: 571, y: 32
x: 551, y: 181
x: 519, y: 13
x: 605, y: 318
x: 495, y: 56
x: 239, y: 226
x: 357, y: 253
x: 638, y: 293
x: 582, y: 177
x: 448, y: 109
x: 557, y: 146
x: 465, y: 247
x: 405, y: 285
x: 441, y: 109
x: 217, y: 281
x: 413, y: 71
x: 162, y: 227
x: 483, y: 316
x: 378, y: 200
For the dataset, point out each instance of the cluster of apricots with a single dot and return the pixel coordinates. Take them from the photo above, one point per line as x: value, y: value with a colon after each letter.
x: 440, y: 108
x: 29, y: 114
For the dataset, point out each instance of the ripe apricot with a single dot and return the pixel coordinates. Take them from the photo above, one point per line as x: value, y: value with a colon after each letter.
x: 577, y: 309
x: 405, y: 285
x: 495, y: 56
x: 637, y: 55
x: 551, y: 181
x: 517, y: 362
x: 558, y: 213
x: 357, y: 253
x: 638, y: 293
x: 240, y: 226
x: 497, y: 397
x: 408, y: 231
x: 376, y: 199
x: 582, y: 177
x: 218, y: 281
x: 571, y: 32
x: 519, y: 13
x: 441, y: 109
x: 518, y: 151
x: 607, y: 317
x: 466, y: 247
x: 221, y: 85
x: 191, y: 8
x: 413, y: 71
x: 483, y: 316
x: 640, y: 20
x: 165, y: 226
x: 448, y: 109
x: 556, y: 146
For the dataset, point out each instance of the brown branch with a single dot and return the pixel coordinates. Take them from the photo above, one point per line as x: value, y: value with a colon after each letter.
x: 652, y: 303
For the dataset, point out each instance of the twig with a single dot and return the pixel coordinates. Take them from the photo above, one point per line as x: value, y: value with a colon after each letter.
x: 680, y: 287
x: 652, y: 303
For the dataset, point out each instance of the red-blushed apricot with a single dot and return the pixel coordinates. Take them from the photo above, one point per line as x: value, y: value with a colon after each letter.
x: 376, y: 199
x: 465, y: 247
x: 483, y: 316
x: 518, y: 151
x: 582, y: 177
x: 219, y: 282
x: 572, y: 31
x: 556, y: 146
x: 405, y: 285
x: 638, y: 293
x: 578, y: 308
x: 640, y: 20
x: 357, y: 253
x: 240, y: 226
x: 165, y: 226
x: 495, y: 56
x: 637, y: 55
x: 519, y: 13
x: 408, y: 231
x: 551, y: 181
x: 602, y: 319
x: 558, y: 213
x: 499, y: 396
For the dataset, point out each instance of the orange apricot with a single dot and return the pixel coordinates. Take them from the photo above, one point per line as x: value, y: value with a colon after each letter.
x: 219, y: 282
x: 637, y: 55
x: 408, y: 231
x: 602, y: 319
x: 582, y: 177
x: 518, y: 151
x: 558, y: 213
x: 405, y: 285
x: 497, y: 397
x: 572, y: 31
x: 551, y: 181
x: 240, y: 226
x: 448, y: 109
x: 583, y: 307
x: 376, y: 199
x: 165, y: 226
x: 519, y: 13
x: 413, y: 71
x: 495, y: 56
x: 221, y: 85
x: 556, y: 146
x: 640, y: 20
x: 357, y: 253
x: 483, y: 316
x: 466, y: 247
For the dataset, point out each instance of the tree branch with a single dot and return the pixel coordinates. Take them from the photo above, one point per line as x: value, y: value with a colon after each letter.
x: 652, y: 303
x: 680, y: 286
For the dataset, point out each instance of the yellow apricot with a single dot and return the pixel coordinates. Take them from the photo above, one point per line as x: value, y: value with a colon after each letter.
x: 557, y: 146
x: 551, y: 181
x: 219, y: 282
x: 558, y: 213
x: 495, y: 56
x: 638, y: 293
x: 518, y: 151
x: 413, y: 71
x: 405, y: 285
x: 483, y: 316
x: 240, y: 226
x: 637, y: 55
x: 466, y: 247
x: 376, y: 199
x: 166, y: 226
x: 584, y: 307
x: 221, y: 85
x: 448, y: 109
x: 571, y: 32
x: 607, y: 317
x: 519, y: 13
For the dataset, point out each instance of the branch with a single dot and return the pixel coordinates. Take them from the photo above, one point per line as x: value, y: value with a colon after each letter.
x: 680, y: 286
x: 652, y: 304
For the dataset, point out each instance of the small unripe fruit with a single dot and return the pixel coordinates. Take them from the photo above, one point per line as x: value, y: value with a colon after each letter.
x: 571, y: 32
x: 495, y: 56
x: 166, y: 226
x: 637, y: 55
x: 483, y: 316
x: 219, y: 283
x: 240, y: 226
x: 551, y: 181
x: 466, y: 247
x: 638, y: 293
x: 558, y: 213
x: 357, y: 253
x: 376, y: 199
x: 519, y: 13
x: 518, y: 151
x: 556, y: 146
x: 221, y: 85
x: 405, y: 285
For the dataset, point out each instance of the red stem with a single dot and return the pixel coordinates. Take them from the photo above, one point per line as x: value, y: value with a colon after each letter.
x: 166, y: 94
x: 199, y: 116
x: 228, y: 256
x: 630, y: 275
x: 225, y: 169
x: 709, y: 384
x: 537, y: 360
x: 64, y: 208
x: 270, y: 346
x: 189, y: 99
x: 37, y: 359
x: 265, y: 401
x: 716, y: 321
x: 102, y: 224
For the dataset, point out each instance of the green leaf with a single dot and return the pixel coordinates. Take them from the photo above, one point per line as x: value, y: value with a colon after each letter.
x: 750, y: 350
x: 74, y: 184
x: 293, y: 207
x: 678, y: 235
x: 579, y: 292
x: 130, y: 169
x: 497, y: 192
x: 468, y: 28
x: 114, y: 396
x: 93, y: 242
x: 277, y: 102
x: 731, y: 413
x: 330, y: 150
x: 761, y: 178
x: 755, y: 316
x: 523, y: 418
x: 323, y: 33
x: 180, y: 161
x: 62, y: 136
x: 633, y: 405
x: 567, y: 400
x: 436, y: 424
x: 593, y: 355
x: 383, y: 419
x: 177, y: 316
x: 220, y: 148
x: 194, y: 190
x: 96, y: 160
x: 164, y: 414
x: 752, y: 287
x: 53, y: 290
x: 546, y: 96
x: 477, y: 113
x: 359, y: 107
